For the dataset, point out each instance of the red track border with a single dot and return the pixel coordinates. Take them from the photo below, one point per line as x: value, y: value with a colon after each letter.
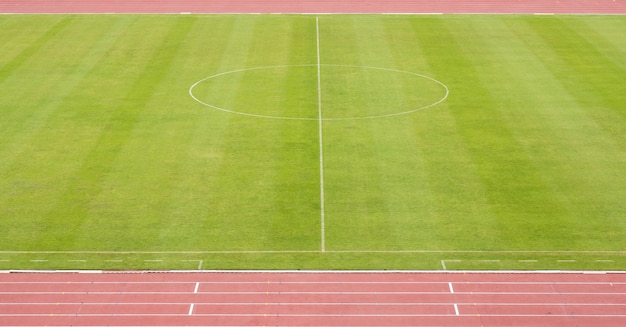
x: 316, y: 6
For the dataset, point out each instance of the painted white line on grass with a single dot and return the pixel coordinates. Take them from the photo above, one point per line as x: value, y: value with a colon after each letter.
x: 599, y: 252
x: 198, y: 261
x: 443, y: 263
x: 320, y: 128
x: 445, y: 96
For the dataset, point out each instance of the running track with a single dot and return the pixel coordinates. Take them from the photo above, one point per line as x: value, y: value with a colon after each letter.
x: 313, y: 299
x: 314, y: 6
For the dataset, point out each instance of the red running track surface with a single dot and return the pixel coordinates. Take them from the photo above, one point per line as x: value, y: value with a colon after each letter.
x: 314, y: 6
x: 312, y: 299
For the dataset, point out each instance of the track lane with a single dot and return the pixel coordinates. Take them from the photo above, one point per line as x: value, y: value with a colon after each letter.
x: 309, y: 6
x: 312, y: 299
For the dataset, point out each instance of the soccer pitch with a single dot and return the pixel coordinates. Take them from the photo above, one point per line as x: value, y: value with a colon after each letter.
x: 312, y: 142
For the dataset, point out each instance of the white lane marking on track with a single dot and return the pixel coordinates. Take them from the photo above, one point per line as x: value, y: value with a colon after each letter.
x: 303, y: 315
x: 340, y: 304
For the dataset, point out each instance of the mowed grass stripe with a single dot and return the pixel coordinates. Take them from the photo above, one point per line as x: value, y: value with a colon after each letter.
x: 45, y: 136
x: 76, y: 201
x: 447, y: 198
x: 590, y: 134
x: 513, y: 193
x: 60, y: 79
x: 168, y: 190
x: 179, y: 195
x: 266, y: 194
x: 374, y: 189
x: 534, y: 214
x: 566, y: 227
x: 34, y: 47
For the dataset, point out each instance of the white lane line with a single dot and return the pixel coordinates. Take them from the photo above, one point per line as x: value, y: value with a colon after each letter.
x: 195, y: 291
x: 417, y: 251
x: 612, y: 294
x: 321, y: 143
x: 456, y: 307
x: 338, y: 304
x: 107, y: 315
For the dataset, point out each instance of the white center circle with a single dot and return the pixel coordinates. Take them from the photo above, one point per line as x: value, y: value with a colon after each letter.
x: 348, y: 92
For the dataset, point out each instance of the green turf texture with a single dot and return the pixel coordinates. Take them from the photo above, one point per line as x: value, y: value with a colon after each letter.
x: 106, y: 161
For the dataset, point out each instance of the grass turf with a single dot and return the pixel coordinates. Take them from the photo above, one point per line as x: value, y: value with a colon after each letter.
x: 108, y: 163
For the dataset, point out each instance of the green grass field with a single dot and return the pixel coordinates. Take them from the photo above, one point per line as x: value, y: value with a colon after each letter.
x: 450, y: 141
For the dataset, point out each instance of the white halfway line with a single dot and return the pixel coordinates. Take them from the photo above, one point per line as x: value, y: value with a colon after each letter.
x: 320, y: 119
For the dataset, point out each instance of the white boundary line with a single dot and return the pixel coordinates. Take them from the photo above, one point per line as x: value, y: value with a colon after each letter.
x: 598, y: 252
x: 321, y: 142
x: 444, y: 86
x: 450, y: 272
x: 287, y: 13
x: 373, y: 315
